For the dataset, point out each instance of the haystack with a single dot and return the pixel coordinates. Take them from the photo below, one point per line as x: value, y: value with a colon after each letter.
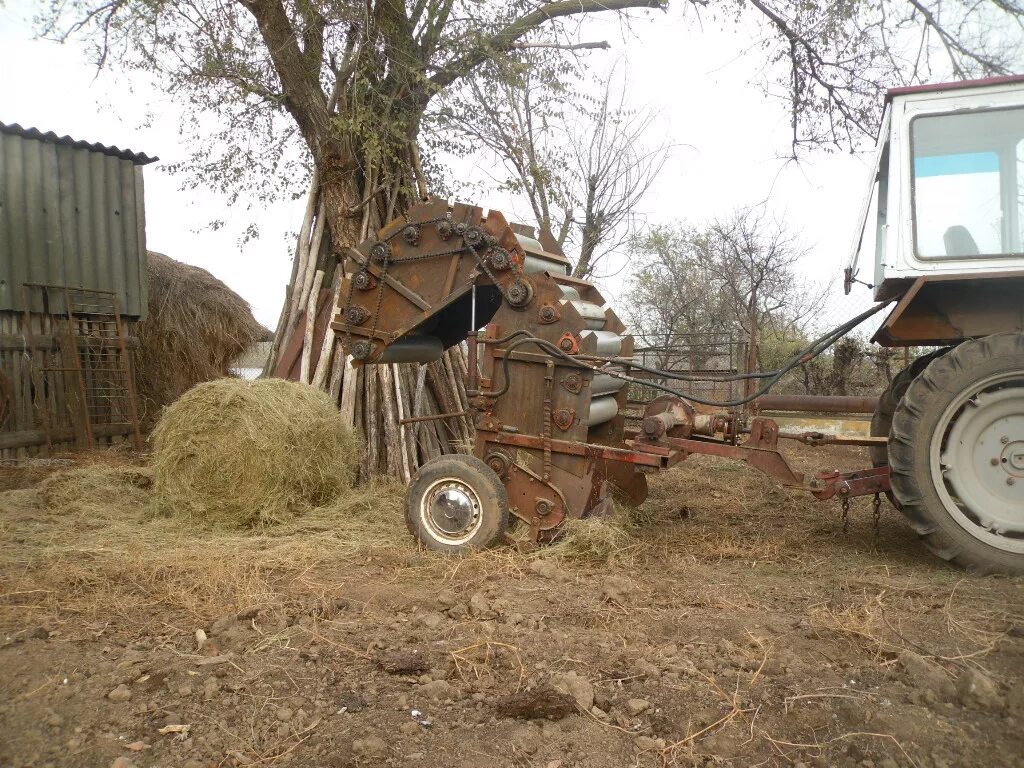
x: 195, y: 328
x: 233, y: 453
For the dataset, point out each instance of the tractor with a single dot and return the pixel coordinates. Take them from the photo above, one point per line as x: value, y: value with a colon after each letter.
x: 550, y: 363
x: 945, y: 215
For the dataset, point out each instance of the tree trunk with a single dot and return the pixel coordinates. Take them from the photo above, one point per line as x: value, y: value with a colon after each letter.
x: 344, y: 211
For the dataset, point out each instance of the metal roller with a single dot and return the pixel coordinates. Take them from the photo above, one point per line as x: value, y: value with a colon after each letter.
x: 570, y: 293
x: 608, y: 343
x: 413, y: 349
x: 535, y: 263
x: 592, y: 314
x: 602, y: 409
x: 529, y: 243
x: 603, y: 384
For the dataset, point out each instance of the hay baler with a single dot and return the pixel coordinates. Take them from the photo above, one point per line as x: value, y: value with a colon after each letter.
x: 549, y: 362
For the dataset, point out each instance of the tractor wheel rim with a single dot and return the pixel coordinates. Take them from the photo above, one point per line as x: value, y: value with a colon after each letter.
x: 977, y: 461
x: 451, y: 511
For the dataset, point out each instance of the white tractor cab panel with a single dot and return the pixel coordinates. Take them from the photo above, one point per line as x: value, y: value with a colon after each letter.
x: 947, y: 203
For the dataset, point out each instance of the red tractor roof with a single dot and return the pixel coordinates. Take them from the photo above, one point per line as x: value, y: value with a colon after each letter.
x: 955, y: 85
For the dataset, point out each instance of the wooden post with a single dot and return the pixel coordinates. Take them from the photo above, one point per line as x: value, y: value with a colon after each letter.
x: 307, y: 344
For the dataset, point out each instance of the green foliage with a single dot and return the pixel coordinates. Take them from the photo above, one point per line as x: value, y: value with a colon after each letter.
x: 275, y: 88
x: 724, y: 277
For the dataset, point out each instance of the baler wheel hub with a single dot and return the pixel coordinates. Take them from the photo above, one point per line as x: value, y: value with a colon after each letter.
x: 451, y: 511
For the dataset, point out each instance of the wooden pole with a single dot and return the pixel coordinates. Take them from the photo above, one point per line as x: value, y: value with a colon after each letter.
x: 307, y: 344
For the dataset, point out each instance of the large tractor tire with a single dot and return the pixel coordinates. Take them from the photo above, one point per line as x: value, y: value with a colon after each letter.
x: 956, y: 450
x: 456, y: 504
x: 881, y: 420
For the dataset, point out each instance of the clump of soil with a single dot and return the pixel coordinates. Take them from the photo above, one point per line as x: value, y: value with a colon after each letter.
x: 235, y: 453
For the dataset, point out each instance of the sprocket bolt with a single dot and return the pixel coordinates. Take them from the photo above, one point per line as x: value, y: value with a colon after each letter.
x: 380, y: 252
x: 361, y: 350
x: 356, y: 315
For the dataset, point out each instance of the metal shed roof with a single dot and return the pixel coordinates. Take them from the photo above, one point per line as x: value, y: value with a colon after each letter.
x: 71, y: 214
x: 139, y: 158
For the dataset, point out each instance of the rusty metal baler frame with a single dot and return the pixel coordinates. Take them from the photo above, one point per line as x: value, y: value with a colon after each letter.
x: 547, y: 375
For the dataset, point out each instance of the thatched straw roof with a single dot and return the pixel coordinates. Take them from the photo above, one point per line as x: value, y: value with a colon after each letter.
x: 195, y: 329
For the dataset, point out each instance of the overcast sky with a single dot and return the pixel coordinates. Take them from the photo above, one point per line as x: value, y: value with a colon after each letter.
x: 732, y: 144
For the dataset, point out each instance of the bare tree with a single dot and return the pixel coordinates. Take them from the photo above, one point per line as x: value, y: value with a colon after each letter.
x: 582, y: 162
x: 671, y: 302
x: 615, y: 164
x: 343, y: 87
x: 516, y: 113
x: 754, y: 264
x: 829, y: 62
x: 734, y: 276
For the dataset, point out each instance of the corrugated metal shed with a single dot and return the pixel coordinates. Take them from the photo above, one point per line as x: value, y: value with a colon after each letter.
x: 71, y: 213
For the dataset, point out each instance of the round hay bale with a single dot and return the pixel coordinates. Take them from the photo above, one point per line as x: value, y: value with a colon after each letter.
x: 234, y: 453
x: 195, y: 329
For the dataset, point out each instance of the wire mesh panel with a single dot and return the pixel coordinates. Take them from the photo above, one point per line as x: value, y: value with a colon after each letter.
x: 84, y: 374
x: 701, y: 357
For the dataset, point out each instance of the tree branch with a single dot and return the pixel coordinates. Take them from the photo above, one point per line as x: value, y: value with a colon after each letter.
x: 603, y: 45
x: 504, y: 39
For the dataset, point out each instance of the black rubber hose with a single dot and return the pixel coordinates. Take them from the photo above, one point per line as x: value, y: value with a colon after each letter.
x: 837, y: 332
x: 808, y: 353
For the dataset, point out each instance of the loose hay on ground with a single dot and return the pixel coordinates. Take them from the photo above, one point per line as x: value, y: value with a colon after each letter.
x: 590, y: 540
x: 233, y: 453
x: 83, y: 542
x: 97, y: 490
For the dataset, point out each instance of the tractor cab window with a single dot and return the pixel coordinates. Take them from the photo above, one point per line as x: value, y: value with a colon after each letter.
x: 968, y: 183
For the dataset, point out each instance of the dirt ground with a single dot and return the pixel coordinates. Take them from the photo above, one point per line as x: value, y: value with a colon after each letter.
x: 727, y: 622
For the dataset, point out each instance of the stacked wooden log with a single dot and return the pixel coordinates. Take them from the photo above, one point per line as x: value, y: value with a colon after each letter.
x: 378, y: 400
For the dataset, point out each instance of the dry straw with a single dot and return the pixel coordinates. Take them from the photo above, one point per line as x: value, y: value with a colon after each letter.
x: 233, y: 453
x: 195, y: 329
x: 594, y: 540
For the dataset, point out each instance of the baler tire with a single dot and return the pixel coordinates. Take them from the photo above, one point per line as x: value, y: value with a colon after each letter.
x: 466, y: 479
x: 924, y: 410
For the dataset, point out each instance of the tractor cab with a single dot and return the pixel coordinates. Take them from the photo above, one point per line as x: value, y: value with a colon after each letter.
x: 945, y: 212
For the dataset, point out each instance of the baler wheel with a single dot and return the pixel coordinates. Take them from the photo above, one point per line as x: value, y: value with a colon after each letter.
x: 456, y: 504
x: 956, y: 450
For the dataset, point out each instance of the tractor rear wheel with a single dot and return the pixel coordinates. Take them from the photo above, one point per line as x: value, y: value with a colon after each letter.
x: 881, y: 420
x: 956, y: 450
x: 456, y: 504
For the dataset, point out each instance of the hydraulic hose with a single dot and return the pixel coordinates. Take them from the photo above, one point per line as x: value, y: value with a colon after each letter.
x: 808, y: 353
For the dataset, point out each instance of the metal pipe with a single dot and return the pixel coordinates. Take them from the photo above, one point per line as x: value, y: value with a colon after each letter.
x: 603, y: 384
x: 534, y: 263
x: 592, y: 314
x: 818, y: 403
x: 472, y: 385
x: 608, y: 343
